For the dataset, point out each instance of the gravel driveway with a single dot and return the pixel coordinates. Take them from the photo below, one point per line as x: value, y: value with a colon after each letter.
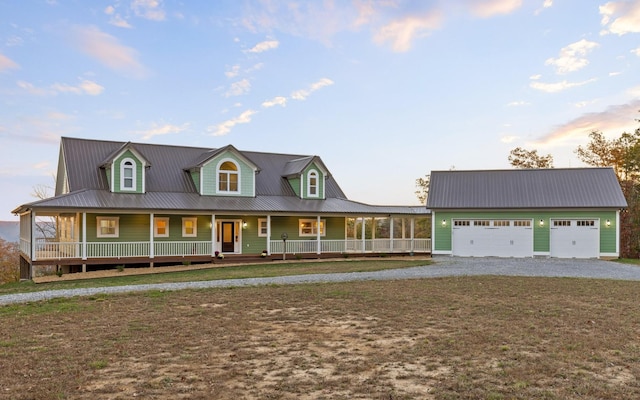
x: 442, y: 266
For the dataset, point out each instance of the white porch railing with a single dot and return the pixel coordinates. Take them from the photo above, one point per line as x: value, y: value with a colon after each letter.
x: 45, y: 250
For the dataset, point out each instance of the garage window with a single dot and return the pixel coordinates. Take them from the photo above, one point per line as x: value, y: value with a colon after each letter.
x: 522, y: 223
x: 480, y: 223
x: 562, y: 223
x: 501, y: 223
x: 585, y: 223
x: 461, y: 223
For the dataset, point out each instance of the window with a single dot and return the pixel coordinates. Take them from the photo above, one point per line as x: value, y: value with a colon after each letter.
x: 312, y: 184
x: 480, y: 223
x: 501, y: 222
x: 107, y: 227
x: 524, y: 222
x: 460, y: 223
x: 161, y: 227
x: 309, y: 227
x: 228, y: 177
x: 262, y: 227
x: 561, y: 223
x: 586, y: 223
x: 189, y: 227
x: 128, y: 174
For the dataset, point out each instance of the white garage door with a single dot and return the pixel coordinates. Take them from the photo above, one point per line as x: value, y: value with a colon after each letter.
x: 571, y: 238
x: 500, y: 238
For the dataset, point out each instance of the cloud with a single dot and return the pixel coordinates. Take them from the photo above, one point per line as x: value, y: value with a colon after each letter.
x: 615, y: 120
x: 238, y: 88
x: 84, y: 87
x: 148, y: 9
x: 401, y: 33
x: 165, y: 129
x: 558, y: 86
x: 571, y: 58
x: 264, y: 46
x: 620, y: 17
x: 636, y: 51
x: 233, y: 72
x: 225, y: 127
x: 276, y: 101
x: 304, y: 93
x: 107, y: 50
x: 6, y: 63
x: 545, y: 4
x: 489, y: 8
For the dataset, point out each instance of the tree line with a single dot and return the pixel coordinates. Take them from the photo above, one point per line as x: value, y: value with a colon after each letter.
x: 621, y: 153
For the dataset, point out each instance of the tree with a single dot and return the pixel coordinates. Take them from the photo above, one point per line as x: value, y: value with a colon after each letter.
x: 9, y: 262
x: 422, y: 185
x: 526, y: 159
x: 46, y: 227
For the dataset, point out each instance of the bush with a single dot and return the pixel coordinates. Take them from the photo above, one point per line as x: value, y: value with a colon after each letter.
x: 9, y: 262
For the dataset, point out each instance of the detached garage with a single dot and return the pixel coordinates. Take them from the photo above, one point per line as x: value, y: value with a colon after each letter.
x: 564, y: 213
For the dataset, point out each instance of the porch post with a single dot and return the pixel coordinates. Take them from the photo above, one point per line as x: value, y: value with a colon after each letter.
x: 34, y: 256
x: 413, y: 227
x: 213, y: 235
x: 391, y: 233
x: 268, y: 234
x: 364, y: 246
x: 318, y: 234
x: 151, y: 244
x: 84, y: 235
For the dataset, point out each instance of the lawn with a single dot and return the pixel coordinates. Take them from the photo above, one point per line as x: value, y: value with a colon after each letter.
x: 440, y: 338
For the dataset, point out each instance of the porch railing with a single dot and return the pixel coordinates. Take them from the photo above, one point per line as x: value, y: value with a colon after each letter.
x: 46, y: 250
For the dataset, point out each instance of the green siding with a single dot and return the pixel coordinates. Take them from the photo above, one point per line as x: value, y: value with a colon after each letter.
x: 116, y: 172
x: 132, y: 228
x: 541, y: 234
x: 195, y: 176
x: 210, y: 181
x: 175, y: 228
x: 335, y: 228
x: 295, y: 185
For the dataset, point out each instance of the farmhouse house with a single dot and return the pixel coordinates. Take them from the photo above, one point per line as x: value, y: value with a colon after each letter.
x: 133, y: 203
x: 565, y: 213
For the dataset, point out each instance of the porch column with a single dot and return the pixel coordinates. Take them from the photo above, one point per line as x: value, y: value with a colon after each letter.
x: 151, y: 230
x: 84, y: 235
x: 391, y: 233
x: 318, y: 234
x: 413, y: 227
x: 34, y: 256
x: 364, y: 245
x: 213, y: 235
x: 268, y: 234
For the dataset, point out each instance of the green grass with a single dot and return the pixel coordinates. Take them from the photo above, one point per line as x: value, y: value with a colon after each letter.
x: 231, y: 272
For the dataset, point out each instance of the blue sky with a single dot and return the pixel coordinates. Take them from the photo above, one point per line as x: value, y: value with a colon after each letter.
x: 384, y: 91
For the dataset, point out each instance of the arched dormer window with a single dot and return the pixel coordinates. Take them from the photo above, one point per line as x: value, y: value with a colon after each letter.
x: 128, y: 174
x: 312, y: 184
x: 228, y: 177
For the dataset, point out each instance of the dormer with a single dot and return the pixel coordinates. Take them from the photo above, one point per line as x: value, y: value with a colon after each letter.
x: 307, y: 177
x: 224, y: 172
x: 126, y: 170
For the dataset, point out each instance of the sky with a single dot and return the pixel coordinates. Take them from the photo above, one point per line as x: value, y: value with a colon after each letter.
x: 384, y: 91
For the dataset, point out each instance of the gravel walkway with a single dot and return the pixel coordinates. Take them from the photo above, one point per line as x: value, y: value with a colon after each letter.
x: 442, y: 266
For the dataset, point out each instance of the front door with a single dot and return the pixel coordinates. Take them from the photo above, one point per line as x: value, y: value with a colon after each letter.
x: 228, y: 237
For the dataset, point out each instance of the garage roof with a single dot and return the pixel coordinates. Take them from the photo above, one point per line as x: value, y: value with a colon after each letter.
x: 525, y: 188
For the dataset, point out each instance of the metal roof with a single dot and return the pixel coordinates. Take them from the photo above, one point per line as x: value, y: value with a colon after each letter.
x: 169, y: 186
x: 525, y: 188
x: 192, y: 202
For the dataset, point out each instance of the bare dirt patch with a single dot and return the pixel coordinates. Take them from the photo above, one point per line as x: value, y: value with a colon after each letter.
x: 449, y: 338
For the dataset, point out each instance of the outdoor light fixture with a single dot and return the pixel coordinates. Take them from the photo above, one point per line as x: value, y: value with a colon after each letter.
x: 608, y: 222
x: 541, y: 222
x: 444, y: 222
x: 244, y: 224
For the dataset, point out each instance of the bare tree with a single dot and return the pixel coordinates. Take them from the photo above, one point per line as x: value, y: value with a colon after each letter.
x: 422, y: 185
x: 46, y: 227
x: 522, y: 158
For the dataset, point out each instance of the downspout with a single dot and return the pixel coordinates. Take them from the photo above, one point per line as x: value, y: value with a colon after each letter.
x: 269, y: 234
x: 318, y: 234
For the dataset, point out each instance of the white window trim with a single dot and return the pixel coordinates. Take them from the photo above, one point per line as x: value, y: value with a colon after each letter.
x: 134, y: 175
x: 317, y: 185
x: 266, y: 227
x: 234, y: 162
x: 107, y: 235
x: 155, y: 226
x: 195, y: 226
x: 314, y: 223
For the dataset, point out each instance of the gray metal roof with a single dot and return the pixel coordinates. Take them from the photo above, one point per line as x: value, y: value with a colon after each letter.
x: 526, y: 188
x: 170, y: 188
x: 84, y: 158
x: 193, y: 202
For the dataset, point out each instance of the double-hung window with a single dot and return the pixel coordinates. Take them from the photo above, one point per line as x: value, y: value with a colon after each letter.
x: 190, y: 227
x: 309, y: 227
x: 128, y: 174
x: 161, y: 227
x: 108, y: 227
x: 228, y: 177
x: 312, y: 184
